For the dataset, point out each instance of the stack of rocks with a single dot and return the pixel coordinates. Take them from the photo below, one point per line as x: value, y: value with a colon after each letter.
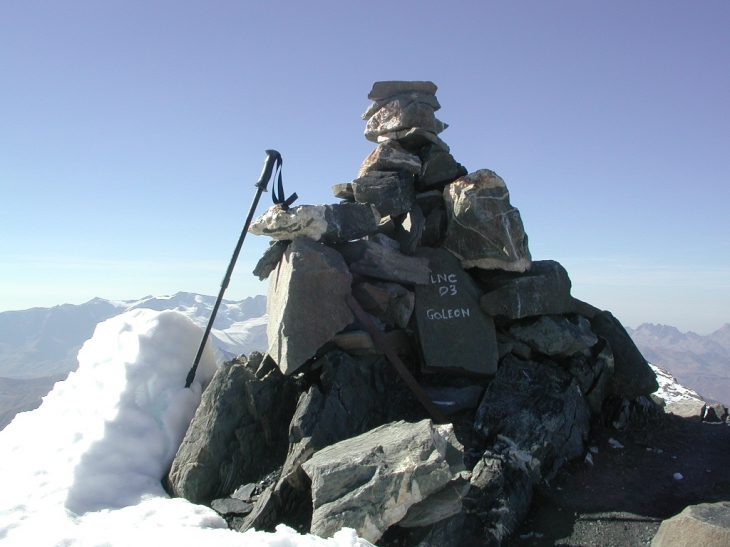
x: 438, y: 259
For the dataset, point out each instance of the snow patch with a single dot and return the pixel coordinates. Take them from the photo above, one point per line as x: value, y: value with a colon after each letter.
x: 85, y: 468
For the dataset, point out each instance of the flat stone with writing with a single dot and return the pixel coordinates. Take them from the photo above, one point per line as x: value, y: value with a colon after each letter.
x: 455, y: 334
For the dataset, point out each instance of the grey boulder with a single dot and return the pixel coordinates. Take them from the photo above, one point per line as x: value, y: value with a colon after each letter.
x: 370, y: 482
x: 236, y: 434
x: 484, y: 230
x: 306, y: 302
x: 703, y: 525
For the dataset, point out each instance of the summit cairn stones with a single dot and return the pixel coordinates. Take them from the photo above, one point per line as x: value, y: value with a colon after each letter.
x: 484, y: 229
x: 436, y: 263
x: 306, y: 302
x: 455, y: 334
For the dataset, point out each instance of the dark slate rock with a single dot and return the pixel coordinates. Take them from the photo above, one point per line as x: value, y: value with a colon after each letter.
x: 408, y: 233
x: 306, y: 302
x: 715, y: 412
x: 445, y: 533
x: 390, y: 156
x: 538, y: 410
x: 601, y: 387
x: 544, y: 289
x: 390, y: 88
x: 385, y: 241
x: 438, y: 168
x: 237, y: 435
x: 485, y: 230
x: 455, y: 335
x: 632, y: 374
x: 451, y: 400
x: 231, y: 506
x: 428, y: 201
x: 270, y: 260
x: 498, y: 500
x: 434, y: 228
x: 369, y: 482
x: 373, y: 260
x: 391, y: 192
x: 555, y: 334
x: 355, y: 401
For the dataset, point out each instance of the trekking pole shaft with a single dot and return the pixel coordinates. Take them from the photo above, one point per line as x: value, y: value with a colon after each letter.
x: 272, y: 155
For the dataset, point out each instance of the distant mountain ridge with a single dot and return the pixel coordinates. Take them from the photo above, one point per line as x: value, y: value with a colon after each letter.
x: 699, y: 362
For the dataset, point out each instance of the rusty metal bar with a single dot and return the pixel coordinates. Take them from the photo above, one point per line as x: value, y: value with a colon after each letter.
x: 386, y: 348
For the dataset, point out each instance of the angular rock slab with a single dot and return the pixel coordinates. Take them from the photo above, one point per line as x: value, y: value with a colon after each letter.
x: 306, y: 302
x: 369, y: 482
x: 455, y: 335
x: 484, y: 230
x: 369, y: 258
x: 389, y: 88
x: 414, y: 139
x: 329, y: 223
x: 544, y: 289
x: 556, y: 335
x: 703, y: 525
x: 406, y: 99
x: 632, y: 374
x: 539, y: 410
x: 398, y: 115
x: 391, y: 192
x: 390, y: 156
x: 235, y: 435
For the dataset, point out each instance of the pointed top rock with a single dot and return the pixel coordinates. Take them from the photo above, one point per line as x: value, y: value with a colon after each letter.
x: 383, y: 90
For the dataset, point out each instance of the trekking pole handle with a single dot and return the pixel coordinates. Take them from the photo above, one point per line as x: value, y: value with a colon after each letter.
x: 272, y: 158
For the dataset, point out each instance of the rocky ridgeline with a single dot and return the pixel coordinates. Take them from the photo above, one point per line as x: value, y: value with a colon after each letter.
x: 322, y: 432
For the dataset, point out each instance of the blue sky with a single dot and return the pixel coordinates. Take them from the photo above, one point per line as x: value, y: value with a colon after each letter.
x: 131, y: 134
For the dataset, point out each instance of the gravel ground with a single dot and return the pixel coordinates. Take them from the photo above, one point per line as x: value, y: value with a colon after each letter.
x: 621, y: 499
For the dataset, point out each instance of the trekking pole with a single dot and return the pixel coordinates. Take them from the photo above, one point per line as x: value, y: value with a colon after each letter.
x: 272, y: 164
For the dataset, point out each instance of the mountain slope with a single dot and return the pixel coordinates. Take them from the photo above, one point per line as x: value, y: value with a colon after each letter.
x: 699, y: 362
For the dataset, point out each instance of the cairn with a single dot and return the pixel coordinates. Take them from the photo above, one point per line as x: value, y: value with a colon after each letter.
x: 425, y: 267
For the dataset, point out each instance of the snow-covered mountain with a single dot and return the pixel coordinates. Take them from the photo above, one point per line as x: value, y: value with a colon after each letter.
x: 44, y: 341
x: 699, y: 362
